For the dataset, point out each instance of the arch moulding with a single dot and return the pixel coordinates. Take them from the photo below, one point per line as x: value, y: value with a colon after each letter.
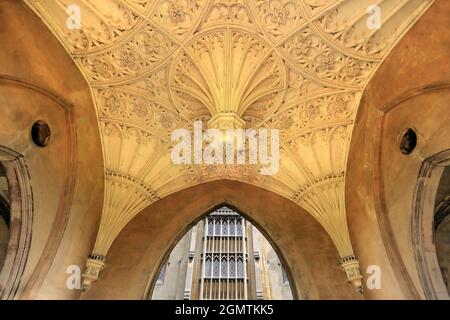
x: 422, y: 226
x: 20, y: 224
x: 304, y: 247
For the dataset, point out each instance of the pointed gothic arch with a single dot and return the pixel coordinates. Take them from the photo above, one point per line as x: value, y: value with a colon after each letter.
x: 310, y: 258
x: 229, y: 263
x: 20, y: 222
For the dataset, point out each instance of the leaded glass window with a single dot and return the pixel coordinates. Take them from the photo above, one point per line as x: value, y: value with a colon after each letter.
x: 216, y: 268
x: 210, y: 227
x: 224, y: 268
x: 208, y: 268
x: 232, y: 268
x: 240, y: 268
x: 225, y: 227
x: 232, y: 228
x: 239, y: 227
x: 217, y: 228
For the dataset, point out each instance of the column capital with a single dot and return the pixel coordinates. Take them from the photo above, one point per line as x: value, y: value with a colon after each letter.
x: 94, y: 265
x: 351, y: 267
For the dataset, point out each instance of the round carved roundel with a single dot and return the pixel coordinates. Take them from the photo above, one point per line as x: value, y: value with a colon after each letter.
x: 408, y: 142
x: 40, y: 133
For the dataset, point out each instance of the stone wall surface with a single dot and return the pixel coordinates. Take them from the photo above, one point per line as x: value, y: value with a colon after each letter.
x: 39, y: 81
x: 409, y: 90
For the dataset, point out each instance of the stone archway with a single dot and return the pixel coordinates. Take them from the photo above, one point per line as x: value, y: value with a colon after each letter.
x: 380, y: 181
x: 21, y: 219
x: 422, y: 228
x: 306, y: 249
x: 67, y: 175
x: 197, y: 236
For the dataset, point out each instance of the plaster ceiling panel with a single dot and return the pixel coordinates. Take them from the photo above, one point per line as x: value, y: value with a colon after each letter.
x: 346, y: 25
x: 142, y: 6
x: 178, y: 16
x: 120, y: 106
x: 326, y: 111
x: 102, y: 23
x: 231, y: 12
x: 315, y: 6
x: 310, y: 53
x: 278, y: 18
x: 289, y: 174
x: 142, y: 51
x: 300, y: 88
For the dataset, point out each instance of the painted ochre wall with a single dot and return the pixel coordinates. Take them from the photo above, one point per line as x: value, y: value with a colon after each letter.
x: 39, y: 81
x: 411, y: 89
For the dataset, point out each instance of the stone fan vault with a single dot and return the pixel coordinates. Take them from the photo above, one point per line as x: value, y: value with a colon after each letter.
x: 297, y: 66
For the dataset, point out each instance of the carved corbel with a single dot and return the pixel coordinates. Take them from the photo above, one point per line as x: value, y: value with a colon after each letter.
x: 351, y: 267
x: 94, y: 265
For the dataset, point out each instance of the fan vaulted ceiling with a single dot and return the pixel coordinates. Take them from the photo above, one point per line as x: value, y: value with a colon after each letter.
x: 297, y: 66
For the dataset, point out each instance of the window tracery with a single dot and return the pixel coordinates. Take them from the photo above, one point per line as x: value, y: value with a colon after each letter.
x: 224, y: 256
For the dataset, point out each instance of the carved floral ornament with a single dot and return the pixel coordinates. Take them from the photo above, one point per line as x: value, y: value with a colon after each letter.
x: 297, y: 66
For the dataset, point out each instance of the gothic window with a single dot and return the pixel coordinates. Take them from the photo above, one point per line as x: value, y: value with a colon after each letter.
x: 220, y: 270
x: 240, y: 268
x: 232, y: 268
x: 217, y: 228
x: 208, y: 268
x: 232, y: 228
x: 239, y: 227
x: 210, y: 227
x: 224, y: 268
x: 225, y: 228
x: 216, y: 268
